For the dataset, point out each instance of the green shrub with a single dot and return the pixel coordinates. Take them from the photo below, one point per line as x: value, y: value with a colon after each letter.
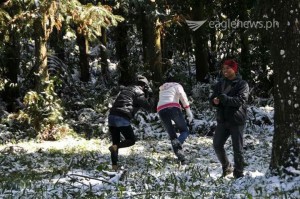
x: 43, y: 111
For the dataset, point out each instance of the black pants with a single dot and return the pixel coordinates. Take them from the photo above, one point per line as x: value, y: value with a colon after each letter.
x: 116, y: 132
x: 223, y: 131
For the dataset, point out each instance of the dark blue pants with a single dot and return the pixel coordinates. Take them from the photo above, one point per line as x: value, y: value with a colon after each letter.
x: 222, y: 133
x: 168, y: 115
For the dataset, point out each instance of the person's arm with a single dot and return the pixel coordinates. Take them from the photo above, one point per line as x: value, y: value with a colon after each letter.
x: 182, y: 97
x: 214, y: 100
x: 185, y: 103
x: 142, y: 102
x: 237, y: 100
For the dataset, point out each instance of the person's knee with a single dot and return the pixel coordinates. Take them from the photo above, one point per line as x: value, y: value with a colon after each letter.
x: 217, y: 146
x: 131, y: 142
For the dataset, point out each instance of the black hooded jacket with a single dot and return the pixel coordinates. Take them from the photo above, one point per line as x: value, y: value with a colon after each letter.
x: 129, y: 100
x: 233, y: 95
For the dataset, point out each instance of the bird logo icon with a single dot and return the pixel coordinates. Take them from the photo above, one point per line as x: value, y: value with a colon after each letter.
x: 194, y: 25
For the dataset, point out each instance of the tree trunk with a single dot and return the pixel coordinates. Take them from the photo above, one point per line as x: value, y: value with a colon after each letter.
x: 152, y: 43
x: 244, y: 35
x: 11, y: 64
x: 41, y: 69
x: 83, y: 45
x: 127, y: 72
x: 200, y: 40
x: 104, y: 56
x: 286, y: 56
x: 167, y: 53
x: 12, y: 53
x: 57, y: 43
x: 43, y: 27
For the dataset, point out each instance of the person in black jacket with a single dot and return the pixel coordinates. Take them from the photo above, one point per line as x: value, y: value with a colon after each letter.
x: 129, y: 100
x: 230, y: 95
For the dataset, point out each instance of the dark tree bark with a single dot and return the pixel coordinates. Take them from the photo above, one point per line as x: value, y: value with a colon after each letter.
x: 83, y: 45
x: 200, y: 40
x: 12, y: 53
x: 41, y: 69
x: 103, y: 55
x: 166, y: 52
x: 286, y: 55
x: 57, y: 43
x: 127, y: 72
x: 151, y: 29
x: 244, y: 35
x: 11, y: 65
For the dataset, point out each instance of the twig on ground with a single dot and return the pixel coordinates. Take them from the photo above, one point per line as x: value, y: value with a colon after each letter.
x: 78, y: 175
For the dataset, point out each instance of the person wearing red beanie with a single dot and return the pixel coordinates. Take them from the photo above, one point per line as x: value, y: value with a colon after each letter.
x: 232, y: 64
x: 230, y: 96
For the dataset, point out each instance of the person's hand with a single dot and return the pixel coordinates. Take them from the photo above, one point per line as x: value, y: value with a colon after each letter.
x: 189, y: 115
x: 216, y: 101
x: 223, y: 98
x: 148, y: 92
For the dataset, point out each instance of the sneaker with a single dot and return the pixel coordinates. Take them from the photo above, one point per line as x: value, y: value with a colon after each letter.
x: 176, y: 144
x: 238, y: 174
x: 180, y: 156
x: 183, y: 162
x: 227, y: 171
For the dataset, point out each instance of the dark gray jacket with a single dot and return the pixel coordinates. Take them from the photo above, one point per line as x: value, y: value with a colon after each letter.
x: 129, y: 100
x: 233, y: 95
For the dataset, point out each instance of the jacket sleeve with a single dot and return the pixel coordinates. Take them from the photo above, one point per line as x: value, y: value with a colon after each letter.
x: 215, y: 94
x: 142, y: 102
x: 182, y: 97
x: 240, y: 98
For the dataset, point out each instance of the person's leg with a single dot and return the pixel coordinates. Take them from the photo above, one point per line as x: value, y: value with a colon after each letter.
x: 237, y: 144
x: 128, y: 134
x: 116, y: 124
x: 115, y: 136
x: 220, y: 137
x: 178, y: 118
x: 165, y: 116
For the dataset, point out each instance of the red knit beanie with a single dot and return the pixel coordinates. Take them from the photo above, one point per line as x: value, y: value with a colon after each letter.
x: 231, y: 63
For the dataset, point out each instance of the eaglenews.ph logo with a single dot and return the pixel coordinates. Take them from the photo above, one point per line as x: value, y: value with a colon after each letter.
x: 194, y: 25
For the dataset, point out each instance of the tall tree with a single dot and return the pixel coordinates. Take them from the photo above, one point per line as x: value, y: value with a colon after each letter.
x: 286, y: 56
x: 57, y: 42
x: 87, y: 21
x: 152, y: 40
x: 201, y: 42
x: 43, y: 26
x: 83, y: 45
x: 121, y: 37
x: 10, y: 56
x: 244, y: 37
x: 104, y: 54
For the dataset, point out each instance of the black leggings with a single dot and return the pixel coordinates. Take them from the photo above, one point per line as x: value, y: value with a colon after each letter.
x: 126, y: 131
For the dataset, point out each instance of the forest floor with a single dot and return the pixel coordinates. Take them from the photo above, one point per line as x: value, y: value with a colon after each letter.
x: 75, y: 167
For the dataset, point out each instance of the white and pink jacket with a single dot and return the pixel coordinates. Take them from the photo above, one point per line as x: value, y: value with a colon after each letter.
x: 169, y: 95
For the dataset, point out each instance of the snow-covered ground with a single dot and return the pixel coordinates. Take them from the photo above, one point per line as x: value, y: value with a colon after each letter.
x: 80, y: 168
